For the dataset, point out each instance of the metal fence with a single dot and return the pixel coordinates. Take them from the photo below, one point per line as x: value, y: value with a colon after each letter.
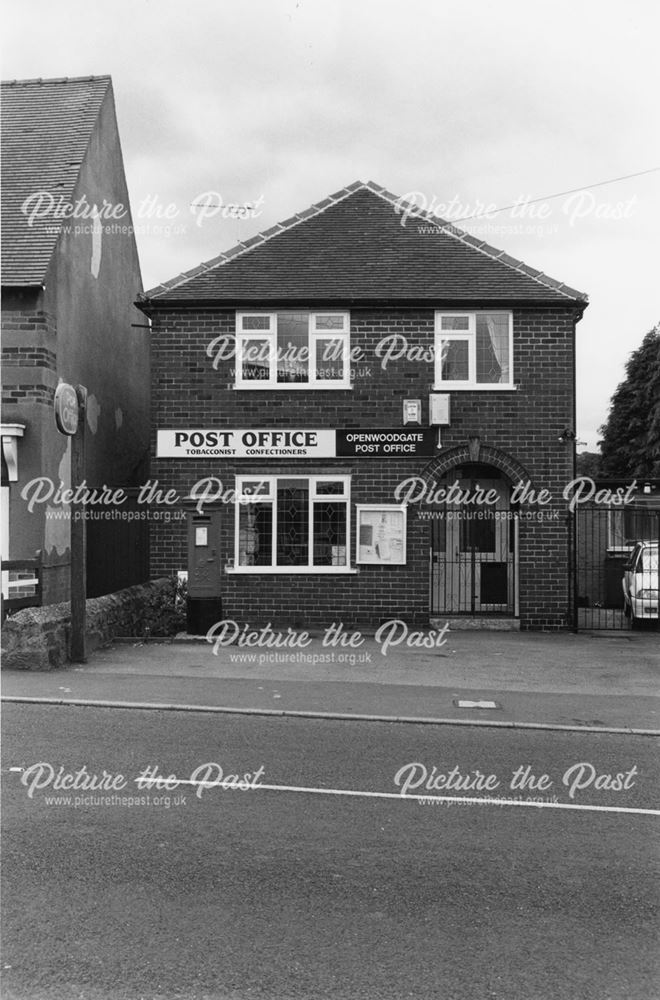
x: 606, y: 539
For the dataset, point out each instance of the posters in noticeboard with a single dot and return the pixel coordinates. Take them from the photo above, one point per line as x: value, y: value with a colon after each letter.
x: 381, y: 534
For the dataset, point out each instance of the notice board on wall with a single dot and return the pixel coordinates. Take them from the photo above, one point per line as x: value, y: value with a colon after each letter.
x: 381, y: 534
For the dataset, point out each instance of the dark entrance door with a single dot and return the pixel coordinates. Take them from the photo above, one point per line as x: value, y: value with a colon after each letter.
x: 473, y: 549
x: 204, y: 572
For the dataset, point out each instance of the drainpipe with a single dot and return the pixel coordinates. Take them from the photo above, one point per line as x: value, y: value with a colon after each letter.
x: 572, y: 515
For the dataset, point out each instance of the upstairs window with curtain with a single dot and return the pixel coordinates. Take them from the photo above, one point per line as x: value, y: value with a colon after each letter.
x: 474, y: 350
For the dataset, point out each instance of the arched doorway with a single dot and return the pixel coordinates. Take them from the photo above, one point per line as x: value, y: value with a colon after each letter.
x: 474, y: 543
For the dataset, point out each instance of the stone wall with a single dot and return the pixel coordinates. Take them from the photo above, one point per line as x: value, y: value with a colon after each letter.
x: 38, y: 638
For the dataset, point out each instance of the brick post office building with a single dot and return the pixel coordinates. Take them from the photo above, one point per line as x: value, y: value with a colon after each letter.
x: 372, y: 389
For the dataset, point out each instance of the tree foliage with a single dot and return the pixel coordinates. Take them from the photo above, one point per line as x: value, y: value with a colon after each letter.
x: 631, y: 435
x: 588, y: 464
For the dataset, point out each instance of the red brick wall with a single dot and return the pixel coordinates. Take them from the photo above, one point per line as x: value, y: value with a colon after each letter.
x: 525, y: 424
x: 28, y: 365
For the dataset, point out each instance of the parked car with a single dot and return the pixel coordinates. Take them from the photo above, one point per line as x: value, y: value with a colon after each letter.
x: 640, y: 583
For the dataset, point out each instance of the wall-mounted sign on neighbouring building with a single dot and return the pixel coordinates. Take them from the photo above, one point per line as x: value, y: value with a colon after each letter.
x: 66, y: 409
x: 295, y: 443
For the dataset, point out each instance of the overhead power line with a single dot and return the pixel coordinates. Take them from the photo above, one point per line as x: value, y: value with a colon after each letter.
x: 558, y: 194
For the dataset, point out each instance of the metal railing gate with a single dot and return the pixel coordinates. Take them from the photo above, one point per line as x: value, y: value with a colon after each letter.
x: 473, y: 562
x: 605, y: 540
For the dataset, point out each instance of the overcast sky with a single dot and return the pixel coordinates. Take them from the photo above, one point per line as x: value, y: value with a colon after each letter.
x: 279, y: 103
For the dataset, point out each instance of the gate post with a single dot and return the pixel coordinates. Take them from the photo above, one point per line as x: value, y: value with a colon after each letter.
x: 571, y: 518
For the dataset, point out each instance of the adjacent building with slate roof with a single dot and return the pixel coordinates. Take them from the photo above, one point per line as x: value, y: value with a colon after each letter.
x: 70, y: 275
x: 371, y: 416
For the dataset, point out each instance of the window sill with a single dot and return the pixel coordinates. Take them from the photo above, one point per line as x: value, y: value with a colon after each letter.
x: 284, y: 570
x: 476, y: 387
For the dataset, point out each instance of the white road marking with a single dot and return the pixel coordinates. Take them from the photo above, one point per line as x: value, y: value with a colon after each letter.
x: 461, y: 703
x: 357, y: 793
x: 361, y: 793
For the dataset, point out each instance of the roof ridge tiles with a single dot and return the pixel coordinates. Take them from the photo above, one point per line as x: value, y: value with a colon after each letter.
x: 55, y: 79
x: 376, y: 188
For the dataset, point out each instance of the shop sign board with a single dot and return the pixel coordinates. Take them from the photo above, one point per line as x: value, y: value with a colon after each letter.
x: 245, y: 443
x: 278, y: 442
x: 395, y: 442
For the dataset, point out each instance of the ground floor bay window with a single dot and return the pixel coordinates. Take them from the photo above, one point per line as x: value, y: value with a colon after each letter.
x: 291, y: 524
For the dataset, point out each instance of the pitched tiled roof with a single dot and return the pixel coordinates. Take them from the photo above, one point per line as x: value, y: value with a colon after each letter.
x: 46, y: 128
x: 353, y: 247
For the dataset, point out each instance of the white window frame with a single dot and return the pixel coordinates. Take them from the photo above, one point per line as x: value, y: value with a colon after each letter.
x: 271, y: 481
x: 314, y: 335
x: 469, y: 336
x: 246, y: 335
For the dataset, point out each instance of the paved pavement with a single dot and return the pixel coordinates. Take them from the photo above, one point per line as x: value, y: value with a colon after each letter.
x: 600, y: 681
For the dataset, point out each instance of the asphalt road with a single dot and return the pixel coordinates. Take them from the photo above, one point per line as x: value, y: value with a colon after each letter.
x: 218, y: 894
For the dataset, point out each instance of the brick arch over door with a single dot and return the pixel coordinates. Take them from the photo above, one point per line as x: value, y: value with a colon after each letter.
x: 463, y: 454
